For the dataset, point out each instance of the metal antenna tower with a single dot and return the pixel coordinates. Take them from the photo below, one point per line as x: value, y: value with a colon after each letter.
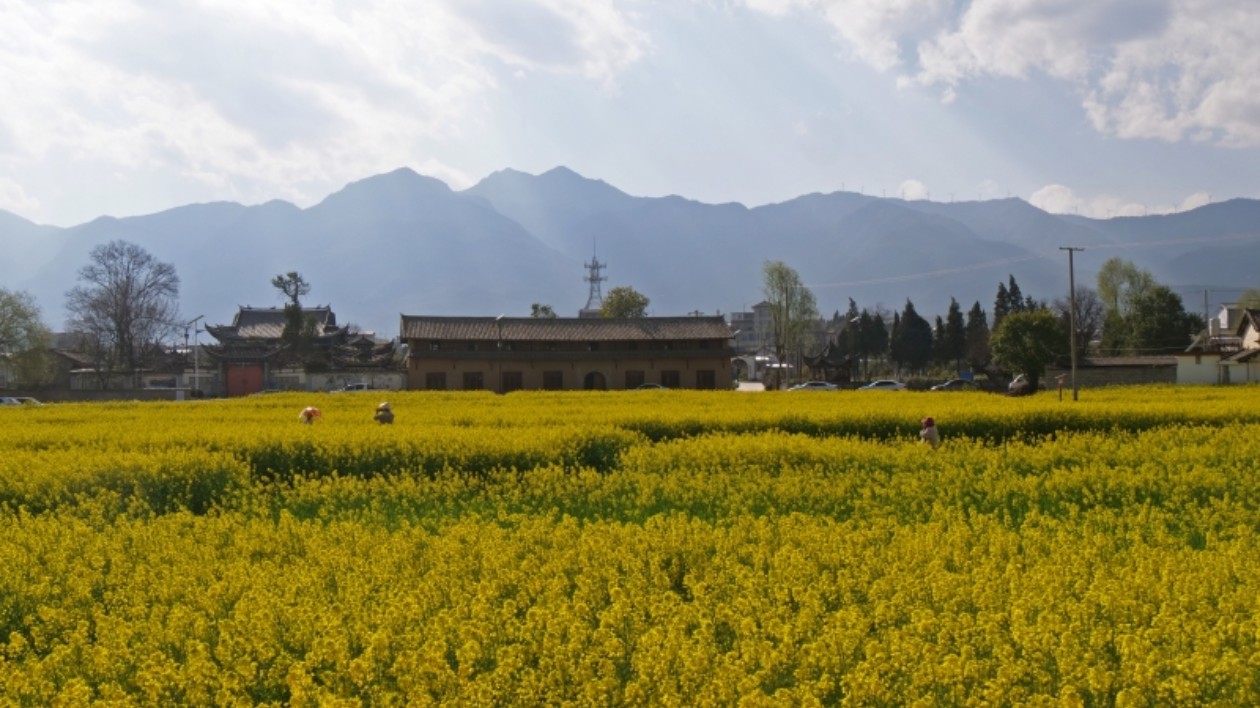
x: 595, y: 300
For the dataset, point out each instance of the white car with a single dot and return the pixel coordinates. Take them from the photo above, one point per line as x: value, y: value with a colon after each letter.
x: 814, y: 386
x: 883, y: 385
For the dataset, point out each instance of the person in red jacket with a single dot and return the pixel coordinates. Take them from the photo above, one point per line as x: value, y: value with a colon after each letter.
x: 930, y: 434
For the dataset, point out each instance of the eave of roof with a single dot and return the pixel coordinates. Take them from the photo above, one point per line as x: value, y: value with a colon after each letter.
x: 566, y: 329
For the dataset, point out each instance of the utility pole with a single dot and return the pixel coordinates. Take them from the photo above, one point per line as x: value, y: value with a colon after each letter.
x: 196, y: 358
x: 1072, y: 315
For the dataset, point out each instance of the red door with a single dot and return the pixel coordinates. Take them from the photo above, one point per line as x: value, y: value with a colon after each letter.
x: 244, y: 379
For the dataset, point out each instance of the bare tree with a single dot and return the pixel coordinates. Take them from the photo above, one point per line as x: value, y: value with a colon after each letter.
x: 1090, y: 315
x: 124, y: 305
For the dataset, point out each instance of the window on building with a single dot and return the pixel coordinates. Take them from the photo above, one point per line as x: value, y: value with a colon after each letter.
x: 434, y: 346
x: 592, y: 346
x: 512, y: 381
x: 473, y: 381
x: 706, y: 379
x: 634, y: 379
x: 553, y: 380
x: 671, y: 379
x: 435, y: 381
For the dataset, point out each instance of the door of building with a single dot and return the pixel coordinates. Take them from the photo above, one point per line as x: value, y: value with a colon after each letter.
x: 244, y: 379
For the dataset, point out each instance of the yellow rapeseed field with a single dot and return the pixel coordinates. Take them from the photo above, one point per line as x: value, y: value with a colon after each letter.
x: 634, y: 548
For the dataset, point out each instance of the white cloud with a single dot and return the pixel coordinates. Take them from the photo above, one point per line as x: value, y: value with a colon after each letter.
x: 912, y: 189
x: 1059, y: 199
x: 1166, y: 69
x: 15, y: 199
x: 258, y: 100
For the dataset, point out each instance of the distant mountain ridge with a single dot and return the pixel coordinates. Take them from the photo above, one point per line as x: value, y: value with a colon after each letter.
x: 404, y: 243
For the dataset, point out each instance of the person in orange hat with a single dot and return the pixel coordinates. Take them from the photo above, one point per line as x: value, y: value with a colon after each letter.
x: 930, y: 434
x: 384, y: 415
x: 309, y: 414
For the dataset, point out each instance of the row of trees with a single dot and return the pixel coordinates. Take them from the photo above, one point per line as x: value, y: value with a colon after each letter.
x: 1129, y: 314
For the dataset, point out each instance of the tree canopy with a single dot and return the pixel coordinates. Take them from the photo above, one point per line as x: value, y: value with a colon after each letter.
x: 298, y: 333
x: 792, y: 308
x: 23, y: 337
x: 910, y: 344
x: 1025, y: 342
x: 624, y: 301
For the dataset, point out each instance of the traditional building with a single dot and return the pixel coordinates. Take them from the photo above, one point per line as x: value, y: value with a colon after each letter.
x: 509, y: 353
x: 252, y: 356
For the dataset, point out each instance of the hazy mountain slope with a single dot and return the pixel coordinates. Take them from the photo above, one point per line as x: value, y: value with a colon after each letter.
x: 404, y: 243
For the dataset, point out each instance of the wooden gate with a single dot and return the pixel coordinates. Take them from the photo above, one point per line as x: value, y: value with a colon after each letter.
x: 244, y: 379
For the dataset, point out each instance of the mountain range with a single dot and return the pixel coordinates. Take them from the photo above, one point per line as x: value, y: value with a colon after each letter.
x: 403, y: 243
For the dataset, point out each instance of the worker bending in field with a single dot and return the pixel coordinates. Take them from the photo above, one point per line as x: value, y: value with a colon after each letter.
x: 309, y: 414
x: 384, y: 415
x: 930, y: 434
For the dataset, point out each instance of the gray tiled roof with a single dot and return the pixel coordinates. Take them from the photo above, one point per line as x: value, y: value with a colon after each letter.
x: 268, y: 322
x: 563, y: 329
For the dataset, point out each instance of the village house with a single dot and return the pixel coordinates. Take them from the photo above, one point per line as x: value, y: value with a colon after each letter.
x: 504, y: 354
x: 1228, y: 351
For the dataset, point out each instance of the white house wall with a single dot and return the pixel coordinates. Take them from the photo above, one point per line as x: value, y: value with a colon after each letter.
x: 1203, y: 369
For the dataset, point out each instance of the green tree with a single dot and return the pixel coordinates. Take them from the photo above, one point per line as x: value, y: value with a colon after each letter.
x: 125, y: 304
x: 792, y: 309
x: 1159, y: 324
x: 23, y: 337
x: 1026, y: 342
x: 1141, y: 315
x: 624, y: 301
x: 1250, y: 299
x: 1119, y: 281
x: 298, y: 332
x: 977, y: 348
x: 910, y: 345
x: 1001, y: 305
x: 951, y: 340
x: 541, y: 312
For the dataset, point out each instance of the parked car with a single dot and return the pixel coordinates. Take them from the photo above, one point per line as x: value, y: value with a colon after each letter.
x: 650, y: 387
x: 9, y: 401
x: 956, y: 385
x: 814, y: 386
x: 883, y: 385
x: 1019, y: 386
x: 357, y: 387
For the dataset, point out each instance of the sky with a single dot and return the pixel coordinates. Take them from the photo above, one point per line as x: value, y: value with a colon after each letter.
x: 1095, y: 107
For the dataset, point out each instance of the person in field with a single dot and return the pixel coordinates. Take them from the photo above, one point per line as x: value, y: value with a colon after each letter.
x: 384, y: 415
x: 309, y: 414
x: 930, y: 434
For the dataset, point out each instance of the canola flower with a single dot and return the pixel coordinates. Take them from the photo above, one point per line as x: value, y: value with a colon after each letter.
x: 624, y: 549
